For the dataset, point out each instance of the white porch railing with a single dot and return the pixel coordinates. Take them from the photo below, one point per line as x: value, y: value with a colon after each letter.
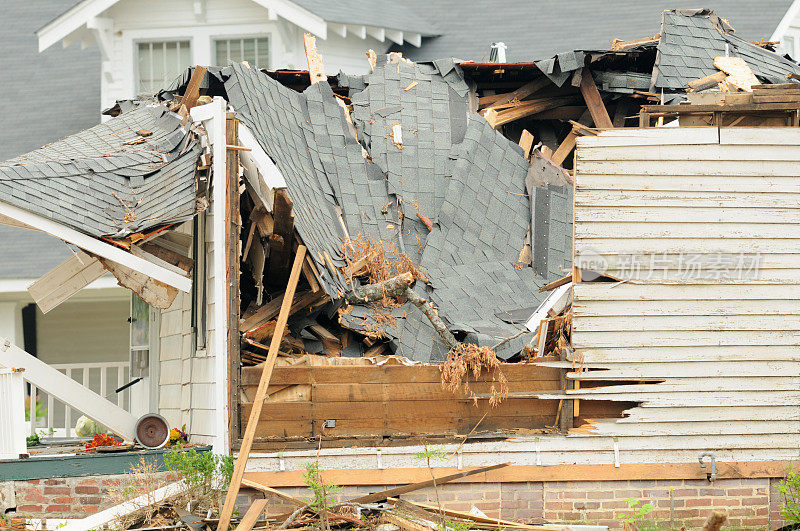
x: 58, y: 419
x: 12, y: 413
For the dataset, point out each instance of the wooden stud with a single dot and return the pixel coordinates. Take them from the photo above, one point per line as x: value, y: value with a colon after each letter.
x: 189, y: 98
x: 282, y: 238
x: 520, y: 94
x: 566, y: 147
x: 232, y: 268
x: 316, y: 69
x: 261, y: 394
x: 593, y: 101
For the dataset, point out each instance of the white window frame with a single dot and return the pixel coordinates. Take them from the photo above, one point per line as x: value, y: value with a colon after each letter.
x: 242, y: 36
x: 135, y: 59
x: 201, y: 42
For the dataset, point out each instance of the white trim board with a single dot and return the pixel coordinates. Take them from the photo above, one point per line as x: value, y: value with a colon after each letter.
x: 97, y: 247
x: 20, y: 285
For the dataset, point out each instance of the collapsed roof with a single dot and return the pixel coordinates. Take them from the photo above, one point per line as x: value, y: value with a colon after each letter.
x: 398, y: 156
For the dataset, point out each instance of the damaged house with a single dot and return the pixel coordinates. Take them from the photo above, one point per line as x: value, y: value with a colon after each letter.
x: 582, y: 265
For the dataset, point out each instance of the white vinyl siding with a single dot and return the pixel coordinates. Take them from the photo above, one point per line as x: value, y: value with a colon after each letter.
x: 254, y: 50
x: 159, y: 63
x: 712, y: 354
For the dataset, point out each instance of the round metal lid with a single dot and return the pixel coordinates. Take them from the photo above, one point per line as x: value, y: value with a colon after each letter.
x: 152, y: 431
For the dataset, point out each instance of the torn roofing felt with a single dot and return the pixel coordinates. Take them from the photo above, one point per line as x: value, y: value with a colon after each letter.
x: 427, y: 102
x: 691, y: 39
x: 109, y: 180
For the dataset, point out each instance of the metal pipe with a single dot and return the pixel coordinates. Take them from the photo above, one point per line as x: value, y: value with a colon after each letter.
x: 710, y: 455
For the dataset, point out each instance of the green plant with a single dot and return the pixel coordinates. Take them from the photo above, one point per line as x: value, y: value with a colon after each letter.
x: 789, y: 492
x: 638, y: 511
x: 41, y: 411
x: 32, y: 440
x: 321, y: 490
x: 450, y: 525
x: 204, y: 473
x: 428, y: 454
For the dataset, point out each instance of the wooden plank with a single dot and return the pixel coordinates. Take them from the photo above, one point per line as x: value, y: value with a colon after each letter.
x: 521, y: 93
x: 565, y: 148
x: 192, y: 92
x: 537, y: 473
x: 776, y: 86
x: 526, y: 142
x: 397, y: 491
x: 65, y: 280
x: 316, y: 69
x: 273, y: 492
x: 777, y: 98
x: 593, y: 101
x: 556, y: 283
x: 475, y: 518
x: 397, y: 374
x: 280, y: 242
x: 525, y: 109
x: 252, y: 423
x: 708, y: 81
x: 251, y: 516
x: 154, y: 293
x: 742, y: 107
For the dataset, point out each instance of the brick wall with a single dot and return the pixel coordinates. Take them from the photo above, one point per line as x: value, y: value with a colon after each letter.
x: 751, y: 503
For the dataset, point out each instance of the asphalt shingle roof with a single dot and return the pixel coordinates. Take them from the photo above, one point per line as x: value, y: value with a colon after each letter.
x: 689, y: 43
x: 108, y: 180
x: 541, y: 29
x: 378, y: 13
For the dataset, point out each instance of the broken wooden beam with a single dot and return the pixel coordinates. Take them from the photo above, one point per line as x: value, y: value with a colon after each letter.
x: 706, y: 82
x: 316, y: 69
x: 593, y: 100
x: 192, y: 92
x: 65, y: 280
x: 280, y: 241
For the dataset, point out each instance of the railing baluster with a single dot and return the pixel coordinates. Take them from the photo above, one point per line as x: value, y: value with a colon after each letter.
x: 32, y: 409
x: 103, y: 385
x: 120, y: 381
x: 68, y: 413
x: 50, y: 414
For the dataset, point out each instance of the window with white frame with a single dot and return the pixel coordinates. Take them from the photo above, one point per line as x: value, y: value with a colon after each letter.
x: 159, y: 63
x: 254, y: 50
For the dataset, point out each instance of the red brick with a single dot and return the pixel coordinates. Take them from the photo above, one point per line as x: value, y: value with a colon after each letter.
x: 55, y: 482
x: 575, y: 495
x: 58, y: 490
x: 698, y: 502
x: 29, y: 508
x: 58, y: 508
x: 88, y: 482
x: 740, y: 492
x: 759, y: 500
x: 684, y: 492
x: 90, y: 508
x: 87, y: 490
x: 727, y: 502
x: 600, y: 494
x: 63, y: 500
x: 91, y: 500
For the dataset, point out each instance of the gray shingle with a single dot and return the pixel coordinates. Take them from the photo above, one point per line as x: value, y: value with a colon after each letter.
x: 107, y: 180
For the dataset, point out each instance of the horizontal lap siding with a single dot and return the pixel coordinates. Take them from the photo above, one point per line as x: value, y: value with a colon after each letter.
x: 711, y: 353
